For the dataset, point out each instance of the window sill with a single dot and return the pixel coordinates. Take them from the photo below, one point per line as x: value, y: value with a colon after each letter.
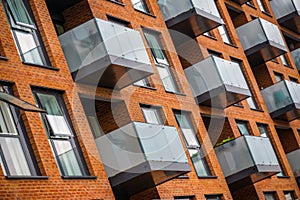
x: 232, y: 45
x: 283, y: 177
x: 118, y: 3
x: 210, y: 37
x: 41, y: 66
x: 257, y: 109
x: 146, y: 87
x: 177, y: 93
x: 146, y: 13
x: 183, y: 177
x: 207, y: 177
x: 26, y: 177
x: 266, y: 13
x: 3, y: 58
x: 79, y: 177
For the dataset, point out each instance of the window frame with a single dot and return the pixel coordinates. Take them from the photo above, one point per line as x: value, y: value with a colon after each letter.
x: 72, y: 139
x: 157, y: 111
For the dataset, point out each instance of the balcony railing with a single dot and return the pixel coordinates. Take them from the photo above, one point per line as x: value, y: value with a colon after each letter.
x: 247, y: 157
x: 283, y: 100
x: 217, y: 82
x: 102, y: 53
x: 241, y: 1
x: 294, y: 160
x: 139, y: 156
x: 261, y: 40
x: 296, y: 57
x: 287, y: 13
x: 190, y: 17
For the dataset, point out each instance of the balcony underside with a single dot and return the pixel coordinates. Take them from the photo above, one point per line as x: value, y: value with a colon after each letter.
x: 145, y: 176
x: 264, y: 52
x: 193, y: 23
x: 291, y: 21
x: 288, y: 113
x: 241, y: 1
x: 223, y: 96
x: 251, y: 175
x: 112, y: 72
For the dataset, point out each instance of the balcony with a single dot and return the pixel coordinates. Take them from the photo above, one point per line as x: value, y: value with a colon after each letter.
x: 216, y: 82
x: 190, y: 17
x: 139, y: 156
x: 283, y: 100
x: 261, y: 40
x: 247, y: 159
x: 105, y: 54
x: 296, y: 57
x: 294, y: 160
x: 287, y: 13
x: 241, y: 2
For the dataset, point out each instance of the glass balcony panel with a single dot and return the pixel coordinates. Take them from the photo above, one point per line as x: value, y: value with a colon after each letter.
x: 294, y: 160
x: 231, y: 73
x: 246, y: 152
x: 272, y: 32
x: 294, y: 90
x: 171, y: 8
x: 137, y: 143
x: 208, y: 6
x: 251, y: 34
x: 296, y: 57
x: 282, y: 8
x: 276, y: 96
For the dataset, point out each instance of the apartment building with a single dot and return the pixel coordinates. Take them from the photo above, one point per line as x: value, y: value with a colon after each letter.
x: 150, y: 99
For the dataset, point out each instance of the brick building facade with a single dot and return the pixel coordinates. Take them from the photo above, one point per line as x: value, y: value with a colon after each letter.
x: 214, y: 84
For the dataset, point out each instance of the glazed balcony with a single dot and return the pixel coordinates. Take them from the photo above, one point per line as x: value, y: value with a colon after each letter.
x: 139, y: 156
x: 283, y: 100
x: 105, y: 54
x: 294, y: 160
x: 241, y: 2
x: 247, y: 159
x: 287, y: 13
x: 216, y: 82
x: 190, y: 17
x: 296, y: 57
x: 261, y: 40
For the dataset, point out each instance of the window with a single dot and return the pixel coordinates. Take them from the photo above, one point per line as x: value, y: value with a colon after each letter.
x: 60, y: 133
x: 283, y: 60
x: 263, y: 130
x: 140, y: 5
x: 224, y: 34
x: 243, y: 127
x: 192, y: 144
x: 152, y: 114
x: 295, y: 80
x: 144, y: 83
x: 118, y: 21
x: 213, y: 197
x: 161, y: 62
x: 214, y: 53
x: 289, y: 196
x: 261, y: 6
x: 278, y: 77
x: 270, y: 196
x: 15, y: 154
x: 25, y: 32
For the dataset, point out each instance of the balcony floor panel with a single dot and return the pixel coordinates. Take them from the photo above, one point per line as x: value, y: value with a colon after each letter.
x: 112, y: 72
x: 288, y: 113
x: 223, y: 96
x: 291, y: 21
x: 264, y: 52
x: 145, y: 176
x: 193, y: 23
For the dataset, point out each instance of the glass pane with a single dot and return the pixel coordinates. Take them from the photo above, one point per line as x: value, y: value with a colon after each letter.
x: 50, y: 104
x: 96, y: 129
x: 270, y: 196
x: 14, y: 157
x: 152, y: 115
x: 19, y: 12
x: 190, y: 137
x: 166, y: 78
x: 7, y: 124
x: 289, y: 196
x: 199, y: 163
x: 154, y: 44
x: 30, y: 51
x: 65, y: 155
x: 251, y: 103
x: 263, y: 130
x: 224, y: 34
x: 58, y: 124
x: 140, y: 5
x: 243, y: 128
